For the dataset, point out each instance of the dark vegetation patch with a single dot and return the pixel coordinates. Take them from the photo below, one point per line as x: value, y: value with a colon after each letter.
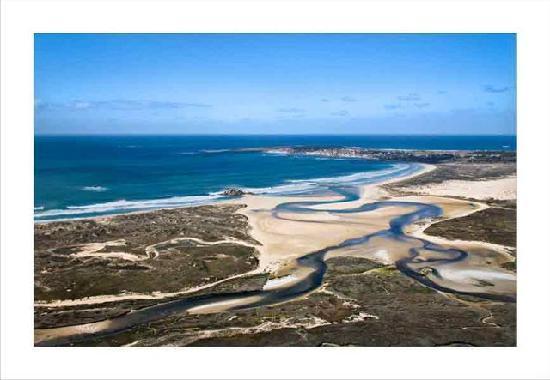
x: 79, y: 277
x: 350, y: 265
x: 209, y: 223
x: 491, y: 225
x: 59, y: 274
x: 49, y: 317
x: 408, y: 314
x: 402, y: 313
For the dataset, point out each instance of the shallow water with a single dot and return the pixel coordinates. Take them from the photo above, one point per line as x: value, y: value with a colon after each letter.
x: 84, y: 176
x: 309, y: 270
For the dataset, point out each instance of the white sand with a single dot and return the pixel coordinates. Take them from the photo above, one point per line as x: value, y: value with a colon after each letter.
x: 94, y: 250
x: 282, y: 241
x: 501, y: 189
x: 285, y: 240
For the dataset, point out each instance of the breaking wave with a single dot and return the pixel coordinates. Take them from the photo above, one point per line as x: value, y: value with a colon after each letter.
x: 122, y: 206
x: 94, y: 188
x: 290, y: 187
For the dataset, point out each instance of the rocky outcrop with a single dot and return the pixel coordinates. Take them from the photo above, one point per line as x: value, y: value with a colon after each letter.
x: 235, y: 192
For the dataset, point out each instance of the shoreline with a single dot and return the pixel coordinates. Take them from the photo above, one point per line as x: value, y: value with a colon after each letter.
x: 389, y: 155
x: 284, y: 237
x: 353, y: 226
x: 281, y: 244
x: 366, y: 192
x: 99, y: 218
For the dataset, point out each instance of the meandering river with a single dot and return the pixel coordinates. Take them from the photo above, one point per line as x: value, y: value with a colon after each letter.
x: 307, y: 275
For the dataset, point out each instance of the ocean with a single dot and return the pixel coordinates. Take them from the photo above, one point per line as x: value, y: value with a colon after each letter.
x: 85, y: 176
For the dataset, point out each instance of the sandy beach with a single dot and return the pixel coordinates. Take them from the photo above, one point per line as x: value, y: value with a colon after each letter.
x: 500, y: 189
x: 296, y: 235
x: 289, y: 236
x: 278, y: 239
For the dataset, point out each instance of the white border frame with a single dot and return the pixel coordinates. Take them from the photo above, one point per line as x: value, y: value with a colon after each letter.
x: 20, y: 19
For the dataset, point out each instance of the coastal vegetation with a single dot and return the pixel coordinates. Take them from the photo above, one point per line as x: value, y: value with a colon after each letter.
x: 277, y: 271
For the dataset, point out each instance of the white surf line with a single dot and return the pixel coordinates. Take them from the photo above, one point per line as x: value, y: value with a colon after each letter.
x: 150, y: 250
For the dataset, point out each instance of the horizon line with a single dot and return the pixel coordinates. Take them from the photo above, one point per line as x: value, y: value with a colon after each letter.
x: 271, y: 134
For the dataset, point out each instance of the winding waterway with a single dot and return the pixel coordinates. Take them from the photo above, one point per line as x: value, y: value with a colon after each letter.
x: 310, y: 270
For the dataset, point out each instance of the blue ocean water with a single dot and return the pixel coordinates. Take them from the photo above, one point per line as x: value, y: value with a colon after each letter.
x: 82, y: 176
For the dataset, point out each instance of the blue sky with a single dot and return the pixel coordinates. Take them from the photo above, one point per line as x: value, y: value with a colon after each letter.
x: 275, y: 84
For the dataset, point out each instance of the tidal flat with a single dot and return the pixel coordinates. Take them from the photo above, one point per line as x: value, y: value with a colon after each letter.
x: 385, y: 266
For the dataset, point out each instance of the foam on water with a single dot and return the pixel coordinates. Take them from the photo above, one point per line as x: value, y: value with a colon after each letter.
x: 290, y: 187
x: 363, y: 177
x: 94, y: 188
x: 122, y: 206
